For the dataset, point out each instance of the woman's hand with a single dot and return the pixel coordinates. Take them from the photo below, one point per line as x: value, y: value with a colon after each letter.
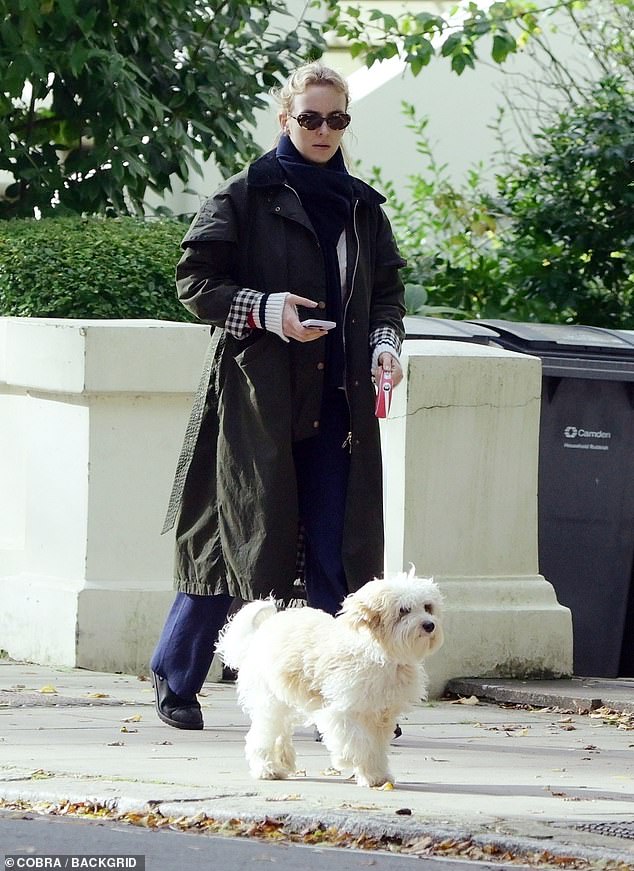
x: 291, y: 324
x: 389, y: 363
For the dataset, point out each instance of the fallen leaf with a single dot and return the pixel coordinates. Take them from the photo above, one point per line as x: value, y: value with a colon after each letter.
x: 48, y: 689
x: 331, y: 772
x: 420, y: 846
x: 98, y: 696
x: 125, y: 729
x: 135, y: 719
x: 471, y: 700
x: 386, y: 786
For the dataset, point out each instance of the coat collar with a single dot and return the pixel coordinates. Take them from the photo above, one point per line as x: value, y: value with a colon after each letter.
x: 266, y: 172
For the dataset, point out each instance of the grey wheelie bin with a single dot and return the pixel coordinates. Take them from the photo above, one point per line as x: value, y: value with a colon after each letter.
x: 441, y: 328
x: 586, y: 483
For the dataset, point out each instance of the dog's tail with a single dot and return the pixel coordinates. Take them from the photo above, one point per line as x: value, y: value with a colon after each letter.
x: 236, y: 636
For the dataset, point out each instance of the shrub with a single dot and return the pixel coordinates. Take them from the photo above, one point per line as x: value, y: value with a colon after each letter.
x: 571, y: 206
x: 74, y: 267
x: 554, y: 242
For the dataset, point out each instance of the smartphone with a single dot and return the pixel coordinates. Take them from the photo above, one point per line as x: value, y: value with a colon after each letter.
x: 315, y: 323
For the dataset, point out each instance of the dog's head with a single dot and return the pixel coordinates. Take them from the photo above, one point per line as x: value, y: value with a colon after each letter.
x: 402, y: 613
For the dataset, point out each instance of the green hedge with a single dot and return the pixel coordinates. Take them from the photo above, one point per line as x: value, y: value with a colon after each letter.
x: 74, y: 267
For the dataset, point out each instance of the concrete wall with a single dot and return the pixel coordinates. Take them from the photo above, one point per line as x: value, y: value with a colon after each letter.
x: 92, y: 415
x: 461, y: 454
x: 91, y: 418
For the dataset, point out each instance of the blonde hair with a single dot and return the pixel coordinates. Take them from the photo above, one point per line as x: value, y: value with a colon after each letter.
x: 309, y: 74
x: 314, y: 73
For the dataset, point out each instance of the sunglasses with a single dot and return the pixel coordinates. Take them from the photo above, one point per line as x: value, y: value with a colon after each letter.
x: 313, y: 120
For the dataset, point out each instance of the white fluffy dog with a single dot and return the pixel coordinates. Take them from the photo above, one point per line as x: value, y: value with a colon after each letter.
x: 352, y: 676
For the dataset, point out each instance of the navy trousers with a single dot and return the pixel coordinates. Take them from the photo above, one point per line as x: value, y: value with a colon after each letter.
x: 185, y: 649
x: 322, y: 464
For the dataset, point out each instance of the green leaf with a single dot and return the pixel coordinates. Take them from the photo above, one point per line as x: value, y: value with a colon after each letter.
x: 503, y: 45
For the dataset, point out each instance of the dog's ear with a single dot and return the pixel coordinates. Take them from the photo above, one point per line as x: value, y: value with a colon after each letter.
x: 358, y: 614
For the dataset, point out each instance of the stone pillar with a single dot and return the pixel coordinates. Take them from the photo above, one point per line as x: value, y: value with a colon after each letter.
x: 92, y: 415
x: 461, y: 454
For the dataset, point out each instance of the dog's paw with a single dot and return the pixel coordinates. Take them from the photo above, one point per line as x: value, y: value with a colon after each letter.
x: 374, y: 779
x: 263, y: 770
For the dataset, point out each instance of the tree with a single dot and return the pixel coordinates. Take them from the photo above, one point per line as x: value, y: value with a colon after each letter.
x: 100, y: 101
x: 418, y: 36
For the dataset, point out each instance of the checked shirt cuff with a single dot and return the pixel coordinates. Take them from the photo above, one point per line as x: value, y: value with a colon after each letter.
x: 244, y: 301
x: 384, y: 339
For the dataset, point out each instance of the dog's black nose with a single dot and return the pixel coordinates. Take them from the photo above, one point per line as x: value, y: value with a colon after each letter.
x: 429, y: 626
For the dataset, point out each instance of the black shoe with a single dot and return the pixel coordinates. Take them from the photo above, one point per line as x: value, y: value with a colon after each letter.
x: 229, y: 675
x: 173, y: 709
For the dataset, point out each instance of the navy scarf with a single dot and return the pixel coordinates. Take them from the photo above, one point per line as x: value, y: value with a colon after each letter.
x: 325, y: 192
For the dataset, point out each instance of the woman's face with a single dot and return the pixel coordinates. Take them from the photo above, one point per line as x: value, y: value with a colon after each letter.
x: 316, y: 146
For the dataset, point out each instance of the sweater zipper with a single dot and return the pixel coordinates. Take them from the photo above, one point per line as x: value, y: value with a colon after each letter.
x: 348, y: 442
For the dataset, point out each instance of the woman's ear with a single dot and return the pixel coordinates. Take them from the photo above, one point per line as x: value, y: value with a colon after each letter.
x: 283, y: 119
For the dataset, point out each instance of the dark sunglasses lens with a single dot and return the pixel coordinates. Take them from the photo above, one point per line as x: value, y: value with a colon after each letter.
x: 310, y: 120
x: 338, y: 121
x: 313, y: 120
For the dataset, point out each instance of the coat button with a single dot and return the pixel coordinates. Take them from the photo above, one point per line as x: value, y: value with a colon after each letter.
x: 320, y: 366
x: 278, y: 209
x: 356, y: 383
x: 315, y: 424
x: 321, y: 305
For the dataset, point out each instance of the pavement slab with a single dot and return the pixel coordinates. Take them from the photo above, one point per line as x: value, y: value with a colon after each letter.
x: 528, y: 776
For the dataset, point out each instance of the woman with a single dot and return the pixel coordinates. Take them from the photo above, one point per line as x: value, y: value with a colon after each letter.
x: 280, y: 476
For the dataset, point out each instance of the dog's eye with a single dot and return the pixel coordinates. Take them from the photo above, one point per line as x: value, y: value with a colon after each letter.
x: 429, y: 608
x: 405, y: 611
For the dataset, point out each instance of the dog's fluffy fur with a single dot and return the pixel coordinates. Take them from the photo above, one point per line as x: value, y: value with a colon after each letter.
x: 352, y: 676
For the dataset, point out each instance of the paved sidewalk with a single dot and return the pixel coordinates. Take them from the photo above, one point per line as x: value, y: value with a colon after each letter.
x: 530, y: 779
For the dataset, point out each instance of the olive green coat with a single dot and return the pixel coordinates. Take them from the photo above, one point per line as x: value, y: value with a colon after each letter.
x: 234, y: 496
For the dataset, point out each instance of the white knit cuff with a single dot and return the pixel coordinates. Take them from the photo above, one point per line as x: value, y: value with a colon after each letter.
x: 381, y: 348
x: 273, y: 314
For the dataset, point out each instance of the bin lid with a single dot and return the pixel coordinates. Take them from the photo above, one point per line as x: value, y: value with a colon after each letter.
x: 571, y: 350
x: 441, y: 328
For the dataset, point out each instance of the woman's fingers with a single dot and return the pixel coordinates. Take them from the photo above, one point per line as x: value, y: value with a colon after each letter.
x: 291, y: 324
x: 391, y: 364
